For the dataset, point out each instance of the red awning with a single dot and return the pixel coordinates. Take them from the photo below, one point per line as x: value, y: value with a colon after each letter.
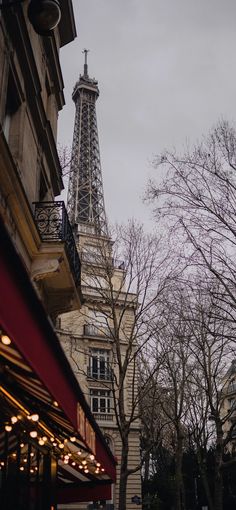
x: 24, y: 319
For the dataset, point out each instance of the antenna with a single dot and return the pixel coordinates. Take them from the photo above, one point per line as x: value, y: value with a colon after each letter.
x: 85, y: 62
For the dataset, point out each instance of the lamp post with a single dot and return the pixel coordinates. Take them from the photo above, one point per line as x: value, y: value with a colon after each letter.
x: 44, y: 15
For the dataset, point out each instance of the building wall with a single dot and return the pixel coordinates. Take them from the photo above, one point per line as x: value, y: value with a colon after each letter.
x: 31, y: 95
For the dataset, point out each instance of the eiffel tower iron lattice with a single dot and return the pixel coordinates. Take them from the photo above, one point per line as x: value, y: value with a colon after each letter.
x: 86, y: 207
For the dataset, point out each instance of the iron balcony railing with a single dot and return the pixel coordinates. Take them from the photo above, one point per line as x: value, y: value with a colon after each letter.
x: 54, y: 225
x: 94, y: 330
x: 103, y: 416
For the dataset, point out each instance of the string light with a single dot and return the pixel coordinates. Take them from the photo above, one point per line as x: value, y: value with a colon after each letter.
x: 33, y: 417
x: 22, y: 445
x: 8, y: 428
x: 73, y: 439
x: 61, y: 446
x: 22, y: 468
x: 92, y: 457
x: 5, y: 340
x: 33, y: 433
x: 41, y: 441
x: 55, y: 403
x: 14, y: 419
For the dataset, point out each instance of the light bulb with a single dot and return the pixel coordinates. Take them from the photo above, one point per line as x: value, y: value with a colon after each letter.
x: 44, y: 438
x: 61, y: 446
x: 86, y: 471
x: 34, y: 417
x: 73, y: 439
x: 84, y: 462
x: 22, y: 468
x: 33, y: 433
x: 5, y: 340
x: 14, y: 419
x: 41, y: 441
x: 8, y: 428
x: 92, y: 457
x: 73, y: 463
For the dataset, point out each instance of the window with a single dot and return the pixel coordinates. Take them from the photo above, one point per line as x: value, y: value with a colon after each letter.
x: 13, y: 101
x: 100, y: 401
x: 99, y: 364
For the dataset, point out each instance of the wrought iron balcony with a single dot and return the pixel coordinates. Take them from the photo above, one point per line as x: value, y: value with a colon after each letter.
x: 103, y: 416
x: 53, y: 225
x: 94, y: 330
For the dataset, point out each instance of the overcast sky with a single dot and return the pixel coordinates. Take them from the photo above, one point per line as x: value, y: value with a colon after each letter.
x: 166, y: 71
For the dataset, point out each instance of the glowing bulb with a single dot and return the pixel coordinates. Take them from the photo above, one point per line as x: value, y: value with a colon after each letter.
x: 66, y: 457
x: 55, y: 403
x: 54, y: 444
x: 33, y: 433
x: 84, y: 462
x: 98, y: 464
x: 22, y: 445
x: 92, y: 457
x: 5, y: 340
x: 102, y: 469
x: 45, y: 438
x: 52, y: 439
x: 73, y: 439
x: 86, y: 471
x: 41, y: 441
x: 22, y: 468
x: 14, y: 419
x: 61, y: 446
x: 8, y: 428
x: 34, y: 417
x: 66, y: 461
x: 2, y: 463
x: 80, y: 466
x: 14, y: 455
x: 31, y: 470
x: 32, y: 454
x: 24, y: 460
x: 79, y: 452
x: 73, y: 463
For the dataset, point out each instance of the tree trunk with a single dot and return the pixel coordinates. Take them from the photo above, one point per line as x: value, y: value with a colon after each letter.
x: 179, y: 484
x: 123, y: 474
x: 218, y: 481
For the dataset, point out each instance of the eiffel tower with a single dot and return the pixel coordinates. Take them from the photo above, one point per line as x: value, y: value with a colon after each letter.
x: 85, y: 194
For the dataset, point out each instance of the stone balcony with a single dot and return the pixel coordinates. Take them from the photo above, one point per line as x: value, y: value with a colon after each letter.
x: 58, y: 263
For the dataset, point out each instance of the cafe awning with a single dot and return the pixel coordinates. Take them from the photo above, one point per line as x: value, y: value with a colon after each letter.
x: 37, y: 377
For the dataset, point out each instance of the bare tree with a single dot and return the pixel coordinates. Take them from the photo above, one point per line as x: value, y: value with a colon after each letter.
x: 197, y: 201
x: 121, y: 283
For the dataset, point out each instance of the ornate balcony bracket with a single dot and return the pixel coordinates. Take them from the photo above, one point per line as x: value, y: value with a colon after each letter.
x: 53, y: 225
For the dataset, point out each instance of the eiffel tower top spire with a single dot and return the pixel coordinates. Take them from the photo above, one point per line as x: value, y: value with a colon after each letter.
x: 85, y: 194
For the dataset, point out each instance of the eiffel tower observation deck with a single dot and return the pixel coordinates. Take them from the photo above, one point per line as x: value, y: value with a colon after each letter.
x: 85, y: 194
